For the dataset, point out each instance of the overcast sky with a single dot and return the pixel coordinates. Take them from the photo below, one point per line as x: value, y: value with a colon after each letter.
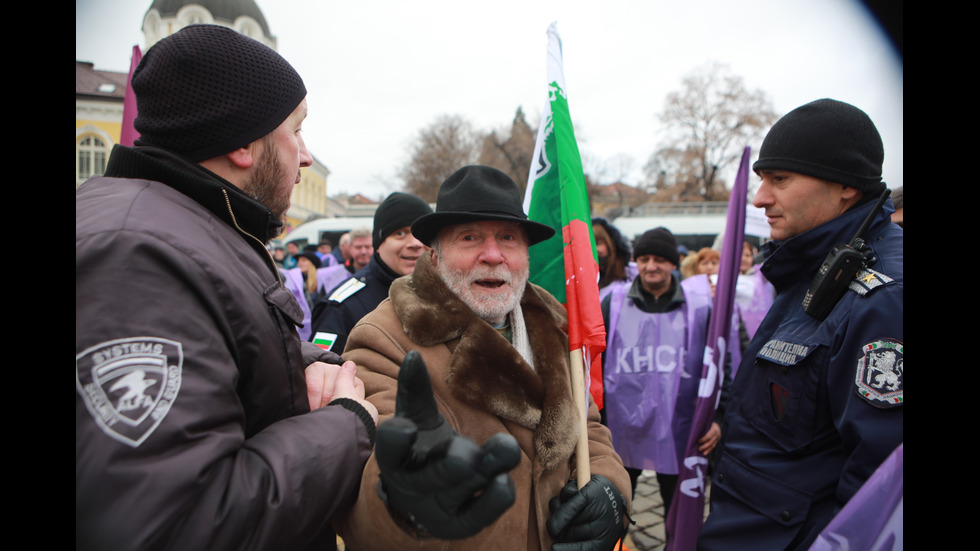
x: 379, y: 71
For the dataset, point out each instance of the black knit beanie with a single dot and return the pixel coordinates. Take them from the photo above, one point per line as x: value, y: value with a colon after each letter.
x: 396, y: 211
x: 207, y: 90
x: 659, y: 242
x: 829, y: 140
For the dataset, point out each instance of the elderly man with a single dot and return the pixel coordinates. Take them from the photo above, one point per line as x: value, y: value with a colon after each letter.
x: 396, y: 251
x: 816, y: 405
x: 484, y: 457
x: 361, y: 249
x: 193, y: 421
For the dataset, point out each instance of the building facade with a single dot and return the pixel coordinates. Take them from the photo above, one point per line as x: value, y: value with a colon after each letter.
x: 99, y: 94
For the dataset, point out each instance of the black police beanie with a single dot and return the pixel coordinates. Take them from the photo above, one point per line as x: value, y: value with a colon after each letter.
x: 397, y: 211
x: 658, y: 241
x: 826, y: 139
x: 207, y: 90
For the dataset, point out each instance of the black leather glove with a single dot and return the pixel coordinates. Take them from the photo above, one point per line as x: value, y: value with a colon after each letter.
x: 590, y: 519
x: 442, y: 483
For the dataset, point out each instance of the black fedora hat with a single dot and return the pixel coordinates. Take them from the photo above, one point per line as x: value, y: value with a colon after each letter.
x: 474, y: 193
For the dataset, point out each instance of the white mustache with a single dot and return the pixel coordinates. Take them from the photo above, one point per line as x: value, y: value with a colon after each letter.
x: 499, y: 273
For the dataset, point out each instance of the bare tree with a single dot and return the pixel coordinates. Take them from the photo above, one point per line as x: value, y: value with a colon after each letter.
x: 441, y: 148
x: 511, y: 151
x: 709, y: 121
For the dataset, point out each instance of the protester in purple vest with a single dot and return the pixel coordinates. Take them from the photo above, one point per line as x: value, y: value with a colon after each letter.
x: 656, y: 333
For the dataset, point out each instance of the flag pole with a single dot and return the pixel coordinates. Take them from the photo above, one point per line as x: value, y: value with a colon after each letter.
x: 577, y: 366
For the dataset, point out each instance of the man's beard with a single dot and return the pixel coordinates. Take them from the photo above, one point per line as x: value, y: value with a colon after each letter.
x: 268, y: 182
x: 488, y: 307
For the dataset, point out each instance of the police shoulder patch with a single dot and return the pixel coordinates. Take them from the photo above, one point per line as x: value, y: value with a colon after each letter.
x: 880, y: 373
x: 347, y: 289
x: 868, y: 280
x: 129, y: 385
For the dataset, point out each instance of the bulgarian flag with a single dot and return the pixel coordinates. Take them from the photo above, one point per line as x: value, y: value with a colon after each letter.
x: 566, y: 265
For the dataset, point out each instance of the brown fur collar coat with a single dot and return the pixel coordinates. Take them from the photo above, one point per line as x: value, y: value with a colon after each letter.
x: 488, y: 373
x: 482, y: 386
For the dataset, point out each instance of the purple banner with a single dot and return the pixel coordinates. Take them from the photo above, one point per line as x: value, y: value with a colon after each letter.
x: 872, y: 519
x: 687, y: 508
x: 128, y: 134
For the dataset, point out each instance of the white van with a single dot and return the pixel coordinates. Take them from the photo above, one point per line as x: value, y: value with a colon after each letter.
x: 311, y: 232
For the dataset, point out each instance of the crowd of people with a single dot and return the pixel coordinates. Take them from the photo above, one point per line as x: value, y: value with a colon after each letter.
x: 410, y: 388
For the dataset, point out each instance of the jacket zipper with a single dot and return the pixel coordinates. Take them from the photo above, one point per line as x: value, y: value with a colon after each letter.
x: 268, y: 255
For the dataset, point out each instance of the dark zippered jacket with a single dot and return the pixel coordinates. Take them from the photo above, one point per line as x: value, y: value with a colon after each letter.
x: 192, y: 424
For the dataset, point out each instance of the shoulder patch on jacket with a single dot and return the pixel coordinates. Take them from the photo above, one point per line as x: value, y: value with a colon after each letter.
x: 880, y: 373
x: 347, y: 289
x: 324, y: 339
x: 128, y: 385
x: 868, y: 280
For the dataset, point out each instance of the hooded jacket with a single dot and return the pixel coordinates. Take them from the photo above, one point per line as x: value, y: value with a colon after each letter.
x: 482, y: 386
x: 192, y: 424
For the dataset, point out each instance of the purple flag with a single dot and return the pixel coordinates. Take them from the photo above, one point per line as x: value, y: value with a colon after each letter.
x: 872, y: 519
x: 687, y: 508
x: 128, y: 133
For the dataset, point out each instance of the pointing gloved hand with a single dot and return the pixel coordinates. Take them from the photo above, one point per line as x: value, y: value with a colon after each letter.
x: 442, y: 483
x: 590, y: 519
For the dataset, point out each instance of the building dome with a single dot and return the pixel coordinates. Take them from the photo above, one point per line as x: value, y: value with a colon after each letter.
x: 165, y: 17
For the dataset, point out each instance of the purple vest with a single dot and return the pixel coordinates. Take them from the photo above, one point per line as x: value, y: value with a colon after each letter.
x: 652, y: 368
x: 753, y: 296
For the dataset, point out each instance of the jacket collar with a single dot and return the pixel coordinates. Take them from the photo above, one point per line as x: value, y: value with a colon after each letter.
x: 214, y: 193
x: 485, y: 370
x: 797, y: 259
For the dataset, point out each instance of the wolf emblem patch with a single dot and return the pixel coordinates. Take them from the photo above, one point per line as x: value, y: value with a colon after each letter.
x: 128, y: 385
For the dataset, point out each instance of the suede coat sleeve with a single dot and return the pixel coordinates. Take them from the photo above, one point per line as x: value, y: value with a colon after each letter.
x: 482, y: 386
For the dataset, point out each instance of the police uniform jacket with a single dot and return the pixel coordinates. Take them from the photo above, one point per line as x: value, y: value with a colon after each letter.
x: 192, y: 424
x: 816, y: 405
x: 340, y: 309
x: 482, y: 386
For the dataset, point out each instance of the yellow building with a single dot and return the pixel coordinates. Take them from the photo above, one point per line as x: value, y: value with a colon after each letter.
x: 99, y: 94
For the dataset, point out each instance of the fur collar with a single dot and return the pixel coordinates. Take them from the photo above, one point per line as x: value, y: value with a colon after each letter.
x: 487, y: 371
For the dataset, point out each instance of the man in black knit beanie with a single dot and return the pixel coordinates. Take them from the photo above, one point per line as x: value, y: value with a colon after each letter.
x: 817, y: 402
x: 201, y: 419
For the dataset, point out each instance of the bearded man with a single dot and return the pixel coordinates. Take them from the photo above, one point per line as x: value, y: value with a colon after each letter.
x: 193, y: 421
x: 467, y: 363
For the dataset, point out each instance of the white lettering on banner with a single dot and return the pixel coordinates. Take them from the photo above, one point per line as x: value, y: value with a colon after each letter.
x: 710, y: 380
x: 636, y: 359
x: 694, y: 487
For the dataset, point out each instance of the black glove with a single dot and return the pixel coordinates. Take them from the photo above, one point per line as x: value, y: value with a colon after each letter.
x: 442, y: 483
x: 590, y: 519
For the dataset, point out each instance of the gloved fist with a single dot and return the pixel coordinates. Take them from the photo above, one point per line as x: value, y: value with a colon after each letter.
x: 441, y: 482
x: 590, y: 519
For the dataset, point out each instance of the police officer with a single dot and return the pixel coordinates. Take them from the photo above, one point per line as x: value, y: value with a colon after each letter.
x: 816, y: 405
x: 396, y: 251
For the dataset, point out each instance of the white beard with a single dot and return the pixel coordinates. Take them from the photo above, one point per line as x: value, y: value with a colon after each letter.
x: 493, y: 308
